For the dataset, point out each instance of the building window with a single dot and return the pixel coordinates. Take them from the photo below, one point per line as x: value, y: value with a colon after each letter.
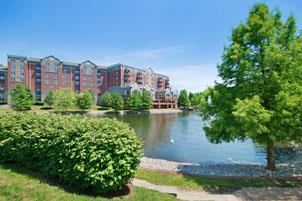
x: 46, y: 81
x: 55, y: 76
x: 13, y: 79
x: 47, y: 75
x: 65, y: 83
x: 55, y: 82
x: 91, y: 84
x: 84, y: 84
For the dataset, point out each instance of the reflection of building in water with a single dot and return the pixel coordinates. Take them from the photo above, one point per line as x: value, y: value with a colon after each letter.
x: 154, y: 129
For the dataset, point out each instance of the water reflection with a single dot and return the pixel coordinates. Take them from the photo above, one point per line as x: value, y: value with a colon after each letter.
x: 190, y: 143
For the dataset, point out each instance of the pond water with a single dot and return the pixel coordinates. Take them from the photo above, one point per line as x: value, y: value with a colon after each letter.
x: 180, y: 137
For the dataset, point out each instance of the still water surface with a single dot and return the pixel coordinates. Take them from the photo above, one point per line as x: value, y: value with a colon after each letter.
x: 180, y: 137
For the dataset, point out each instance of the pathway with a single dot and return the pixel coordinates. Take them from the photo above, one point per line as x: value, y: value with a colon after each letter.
x: 273, y: 193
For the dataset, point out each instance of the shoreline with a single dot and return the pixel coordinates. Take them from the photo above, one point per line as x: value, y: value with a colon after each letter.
x: 123, y: 112
x: 221, y: 169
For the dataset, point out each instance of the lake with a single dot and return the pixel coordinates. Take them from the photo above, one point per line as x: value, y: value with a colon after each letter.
x: 180, y: 137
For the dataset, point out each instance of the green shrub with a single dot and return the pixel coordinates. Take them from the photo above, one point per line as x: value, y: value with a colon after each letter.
x: 89, y: 154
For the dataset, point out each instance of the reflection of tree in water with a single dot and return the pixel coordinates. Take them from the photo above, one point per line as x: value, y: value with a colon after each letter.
x: 154, y: 129
x: 284, y: 153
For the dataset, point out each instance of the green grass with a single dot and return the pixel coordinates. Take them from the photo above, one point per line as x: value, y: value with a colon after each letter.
x: 18, y: 186
x: 211, y: 184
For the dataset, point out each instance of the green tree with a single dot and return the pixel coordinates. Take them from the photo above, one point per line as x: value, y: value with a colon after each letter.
x: 134, y: 102
x: 106, y: 100
x: 183, y: 99
x: 21, y: 98
x: 49, y: 99
x: 116, y: 101
x: 84, y: 100
x: 64, y: 99
x: 146, y: 100
x: 260, y: 96
x: 195, y: 99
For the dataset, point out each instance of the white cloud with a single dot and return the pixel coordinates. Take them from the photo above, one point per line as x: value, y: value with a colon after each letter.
x: 112, y: 56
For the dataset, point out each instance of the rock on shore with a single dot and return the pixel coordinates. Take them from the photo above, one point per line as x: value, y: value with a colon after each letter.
x: 222, y: 169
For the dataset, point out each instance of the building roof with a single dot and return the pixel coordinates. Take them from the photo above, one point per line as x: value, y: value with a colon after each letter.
x: 16, y: 56
x: 34, y: 59
x: 67, y: 63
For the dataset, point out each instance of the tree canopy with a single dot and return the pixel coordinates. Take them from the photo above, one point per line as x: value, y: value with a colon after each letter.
x: 116, y: 101
x: 183, y: 99
x: 84, y: 100
x: 106, y: 100
x: 49, y: 99
x: 64, y: 99
x: 260, y: 95
x: 21, y: 98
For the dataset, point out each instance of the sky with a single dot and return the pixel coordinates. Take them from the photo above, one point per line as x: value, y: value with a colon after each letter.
x: 181, y: 39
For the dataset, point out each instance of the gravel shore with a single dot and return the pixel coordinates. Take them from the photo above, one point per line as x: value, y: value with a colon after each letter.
x: 222, y: 169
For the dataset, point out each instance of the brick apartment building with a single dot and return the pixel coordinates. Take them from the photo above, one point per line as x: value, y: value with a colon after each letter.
x: 42, y: 75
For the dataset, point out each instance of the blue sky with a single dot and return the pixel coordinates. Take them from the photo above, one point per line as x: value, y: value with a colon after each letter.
x: 183, y: 39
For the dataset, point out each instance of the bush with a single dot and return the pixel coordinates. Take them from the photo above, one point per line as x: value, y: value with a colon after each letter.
x: 21, y: 98
x: 97, y: 155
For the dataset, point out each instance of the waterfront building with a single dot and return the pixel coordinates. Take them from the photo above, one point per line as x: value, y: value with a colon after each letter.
x: 42, y: 75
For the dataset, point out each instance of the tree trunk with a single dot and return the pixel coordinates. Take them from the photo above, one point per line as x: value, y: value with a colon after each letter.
x: 270, y: 155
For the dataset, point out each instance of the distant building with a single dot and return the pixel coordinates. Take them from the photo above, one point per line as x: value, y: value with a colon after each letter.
x: 3, y: 85
x: 42, y: 75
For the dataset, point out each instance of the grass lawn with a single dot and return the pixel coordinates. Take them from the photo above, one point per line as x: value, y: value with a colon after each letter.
x: 211, y: 184
x: 20, y: 186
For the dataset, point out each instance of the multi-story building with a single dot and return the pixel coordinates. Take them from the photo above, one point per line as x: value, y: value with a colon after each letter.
x: 42, y: 75
x: 3, y: 85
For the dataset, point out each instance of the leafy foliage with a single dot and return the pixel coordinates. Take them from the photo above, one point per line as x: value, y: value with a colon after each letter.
x: 84, y: 100
x: 21, y: 98
x: 106, y: 100
x: 146, y: 100
x: 183, y: 99
x: 64, y: 99
x: 195, y: 99
x: 134, y: 102
x: 260, y: 93
x: 117, y: 101
x: 49, y: 99
x: 89, y: 154
x: 139, y: 101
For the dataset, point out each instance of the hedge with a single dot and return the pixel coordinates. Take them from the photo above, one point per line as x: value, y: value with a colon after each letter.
x: 86, y: 153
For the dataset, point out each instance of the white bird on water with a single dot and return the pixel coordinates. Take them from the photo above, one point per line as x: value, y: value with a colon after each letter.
x: 172, y: 141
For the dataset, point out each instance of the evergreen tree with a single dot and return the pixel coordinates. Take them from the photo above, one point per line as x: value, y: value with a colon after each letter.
x: 260, y: 95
